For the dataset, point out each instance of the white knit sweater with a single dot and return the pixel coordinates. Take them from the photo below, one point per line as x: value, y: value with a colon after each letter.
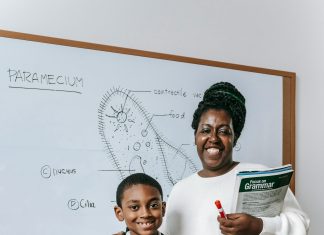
x: 191, y: 211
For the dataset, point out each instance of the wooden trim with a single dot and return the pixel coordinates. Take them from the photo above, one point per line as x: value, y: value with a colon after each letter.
x: 149, y: 54
x: 288, y: 150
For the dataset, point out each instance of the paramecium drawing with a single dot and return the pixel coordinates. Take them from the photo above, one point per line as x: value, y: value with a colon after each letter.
x: 134, y: 144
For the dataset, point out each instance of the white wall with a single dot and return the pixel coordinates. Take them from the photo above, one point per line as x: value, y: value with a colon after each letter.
x: 285, y: 35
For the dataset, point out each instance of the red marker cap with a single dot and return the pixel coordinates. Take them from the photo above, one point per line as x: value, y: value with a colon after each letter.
x: 218, y: 204
x: 220, y: 209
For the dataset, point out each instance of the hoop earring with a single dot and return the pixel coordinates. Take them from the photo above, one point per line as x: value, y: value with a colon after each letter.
x: 238, y: 146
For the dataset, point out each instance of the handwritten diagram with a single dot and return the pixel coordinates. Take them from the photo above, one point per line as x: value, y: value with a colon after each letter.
x: 68, y: 137
x: 134, y: 144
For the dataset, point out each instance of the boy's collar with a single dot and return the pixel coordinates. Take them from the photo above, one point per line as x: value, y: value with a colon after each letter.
x: 128, y: 233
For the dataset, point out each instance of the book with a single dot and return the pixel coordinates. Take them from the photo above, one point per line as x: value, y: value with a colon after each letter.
x: 261, y: 193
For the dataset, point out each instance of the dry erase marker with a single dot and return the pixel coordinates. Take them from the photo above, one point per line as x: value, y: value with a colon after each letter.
x: 220, y: 209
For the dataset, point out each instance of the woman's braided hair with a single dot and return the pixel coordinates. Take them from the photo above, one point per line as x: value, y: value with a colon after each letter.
x: 223, y: 95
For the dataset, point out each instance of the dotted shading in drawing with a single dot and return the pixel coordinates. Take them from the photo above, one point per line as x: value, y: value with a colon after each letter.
x: 134, y: 144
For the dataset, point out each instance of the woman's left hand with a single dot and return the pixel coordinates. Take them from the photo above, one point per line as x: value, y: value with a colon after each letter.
x: 240, y: 224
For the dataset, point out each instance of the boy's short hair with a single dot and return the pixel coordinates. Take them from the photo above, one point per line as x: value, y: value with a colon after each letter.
x: 134, y: 179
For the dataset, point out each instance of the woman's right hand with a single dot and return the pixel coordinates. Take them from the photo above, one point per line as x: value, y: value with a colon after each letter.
x: 240, y: 224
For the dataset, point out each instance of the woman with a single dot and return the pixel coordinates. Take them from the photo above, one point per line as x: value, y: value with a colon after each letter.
x: 217, y: 123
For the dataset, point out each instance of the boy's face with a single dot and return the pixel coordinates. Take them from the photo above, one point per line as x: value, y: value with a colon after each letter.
x: 142, y: 209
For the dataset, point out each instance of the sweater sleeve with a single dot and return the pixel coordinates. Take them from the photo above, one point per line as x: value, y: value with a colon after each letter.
x: 169, y: 220
x: 291, y: 221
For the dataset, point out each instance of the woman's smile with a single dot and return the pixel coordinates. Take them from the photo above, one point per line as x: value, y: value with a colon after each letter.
x: 213, y: 151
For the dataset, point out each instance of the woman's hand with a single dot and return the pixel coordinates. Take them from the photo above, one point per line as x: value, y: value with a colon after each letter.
x: 240, y: 224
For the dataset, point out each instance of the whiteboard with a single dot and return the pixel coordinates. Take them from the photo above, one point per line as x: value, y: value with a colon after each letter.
x: 74, y: 122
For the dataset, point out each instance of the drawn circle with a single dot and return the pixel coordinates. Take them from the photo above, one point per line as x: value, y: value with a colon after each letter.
x: 237, y: 147
x: 73, y: 204
x: 46, y: 171
x: 121, y: 117
x: 137, y: 146
x: 144, y: 133
x: 147, y: 144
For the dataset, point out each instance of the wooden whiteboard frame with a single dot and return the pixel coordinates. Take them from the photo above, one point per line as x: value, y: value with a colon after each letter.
x: 288, y: 79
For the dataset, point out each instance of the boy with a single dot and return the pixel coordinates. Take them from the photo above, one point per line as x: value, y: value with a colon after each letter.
x: 139, y: 202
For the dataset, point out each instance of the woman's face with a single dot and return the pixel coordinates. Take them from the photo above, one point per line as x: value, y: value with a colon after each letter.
x: 214, y: 140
